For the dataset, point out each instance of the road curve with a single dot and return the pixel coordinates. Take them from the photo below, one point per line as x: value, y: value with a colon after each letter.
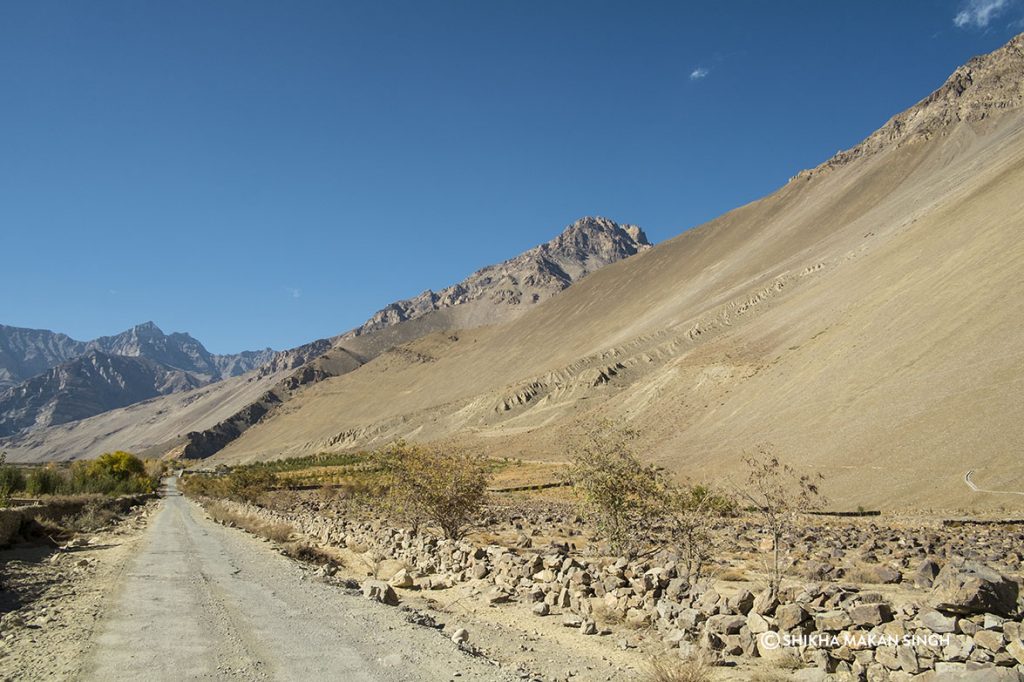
x: 201, y: 601
x: 968, y: 479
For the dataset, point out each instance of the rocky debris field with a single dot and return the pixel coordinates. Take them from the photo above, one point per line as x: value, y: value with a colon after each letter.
x: 51, y: 596
x: 876, y: 599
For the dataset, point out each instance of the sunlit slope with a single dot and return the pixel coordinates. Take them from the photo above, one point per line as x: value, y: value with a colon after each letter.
x: 865, y: 319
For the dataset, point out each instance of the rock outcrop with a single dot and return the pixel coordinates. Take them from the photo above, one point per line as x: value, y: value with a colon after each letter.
x: 535, y: 275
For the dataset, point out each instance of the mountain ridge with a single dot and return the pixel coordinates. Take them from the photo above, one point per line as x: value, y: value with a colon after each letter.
x: 490, y: 294
x: 70, y: 380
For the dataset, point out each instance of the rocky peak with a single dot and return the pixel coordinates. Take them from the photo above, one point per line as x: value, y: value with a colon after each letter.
x: 584, y: 246
x: 983, y: 87
x: 599, y: 237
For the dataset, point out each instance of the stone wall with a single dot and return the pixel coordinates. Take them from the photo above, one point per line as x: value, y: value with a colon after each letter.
x: 968, y: 616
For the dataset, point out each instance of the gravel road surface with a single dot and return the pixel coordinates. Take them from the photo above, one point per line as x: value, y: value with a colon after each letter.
x: 201, y: 601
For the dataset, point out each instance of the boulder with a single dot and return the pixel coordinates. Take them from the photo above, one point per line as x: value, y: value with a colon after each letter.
x: 925, y: 574
x: 1016, y: 649
x: 870, y: 614
x: 969, y: 587
x: 725, y: 624
x: 832, y: 621
x: 380, y: 591
x: 402, y: 580
x: 757, y: 624
x: 936, y: 622
x: 788, y: 616
x: 742, y: 603
x: 989, y: 639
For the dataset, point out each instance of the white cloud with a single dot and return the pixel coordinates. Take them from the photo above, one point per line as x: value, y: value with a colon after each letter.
x: 293, y: 292
x: 698, y: 73
x: 979, y: 13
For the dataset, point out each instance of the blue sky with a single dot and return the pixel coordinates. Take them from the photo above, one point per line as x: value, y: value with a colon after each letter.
x: 269, y: 173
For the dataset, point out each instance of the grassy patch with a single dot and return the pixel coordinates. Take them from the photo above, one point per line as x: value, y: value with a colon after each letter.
x: 278, y: 532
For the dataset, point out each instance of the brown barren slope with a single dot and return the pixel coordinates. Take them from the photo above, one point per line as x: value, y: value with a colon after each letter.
x: 865, y: 319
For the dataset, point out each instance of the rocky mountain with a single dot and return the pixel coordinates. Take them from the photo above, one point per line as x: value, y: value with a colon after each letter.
x: 489, y: 295
x: 52, y: 379
x: 88, y: 385
x: 531, y: 277
x: 27, y: 352
x: 222, y: 411
x: 863, y: 320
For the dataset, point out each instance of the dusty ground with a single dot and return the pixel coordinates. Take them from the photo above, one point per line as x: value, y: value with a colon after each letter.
x: 52, y: 599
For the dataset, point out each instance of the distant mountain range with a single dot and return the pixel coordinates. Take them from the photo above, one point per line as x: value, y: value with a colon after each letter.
x: 48, y: 379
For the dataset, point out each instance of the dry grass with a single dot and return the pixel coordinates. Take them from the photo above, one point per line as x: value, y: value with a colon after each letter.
x: 303, y: 551
x: 861, y: 573
x: 606, y: 616
x: 732, y: 574
x: 670, y: 669
x: 278, y: 532
x: 90, y: 519
x: 769, y: 676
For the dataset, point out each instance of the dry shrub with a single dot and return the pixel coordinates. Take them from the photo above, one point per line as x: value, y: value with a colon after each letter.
x: 776, y: 492
x: 441, y: 488
x: 92, y: 517
x: 671, y: 669
x: 606, y: 615
x: 303, y: 551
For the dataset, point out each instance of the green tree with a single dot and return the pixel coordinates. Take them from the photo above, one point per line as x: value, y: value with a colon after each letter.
x: 11, y: 480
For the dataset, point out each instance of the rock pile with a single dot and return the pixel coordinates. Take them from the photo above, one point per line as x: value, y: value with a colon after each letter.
x: 964, y: 615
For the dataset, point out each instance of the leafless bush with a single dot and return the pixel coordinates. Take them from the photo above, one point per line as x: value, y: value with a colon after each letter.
x: 777, y: 492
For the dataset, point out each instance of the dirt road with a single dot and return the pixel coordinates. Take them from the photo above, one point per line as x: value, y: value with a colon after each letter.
x: 200, y: 601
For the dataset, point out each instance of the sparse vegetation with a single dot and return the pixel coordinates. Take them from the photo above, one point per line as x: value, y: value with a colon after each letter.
x: 112, y: 473
x: 442, y: 488
x: 277, y: 532
x: 776, y: 492
x: 673, y: 669
x: 616, y: 492
x: 93, y: 517
x: 637, y: 508
x: 243, y: 484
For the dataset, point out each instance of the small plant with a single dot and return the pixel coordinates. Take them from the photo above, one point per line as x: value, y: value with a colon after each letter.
x: 672, y: 669
x: 777, y: 492
x: 442, y: 488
